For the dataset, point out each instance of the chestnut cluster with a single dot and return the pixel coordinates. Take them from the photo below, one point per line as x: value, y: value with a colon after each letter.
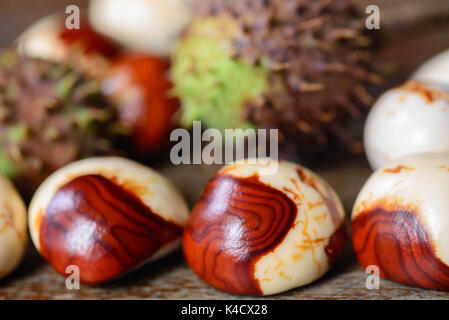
x: 110, y: 215
x: 399, y: 220
x: 135, y: 81
x: 67, y: 94
x: 70, y: 94
x: 249, y: 233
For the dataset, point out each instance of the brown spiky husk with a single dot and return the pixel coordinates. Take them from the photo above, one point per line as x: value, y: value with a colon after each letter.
x: 318, y: 59
x: 50, y: 115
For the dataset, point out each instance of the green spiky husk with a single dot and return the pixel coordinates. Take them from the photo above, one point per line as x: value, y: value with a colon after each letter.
x: 50, y: 115
x: 298, y: 65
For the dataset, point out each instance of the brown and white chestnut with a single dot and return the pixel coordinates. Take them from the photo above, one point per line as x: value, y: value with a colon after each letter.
x: 400, y: 221
x: 106, y: 216
x: 49, y: 39
x: 258, y: 234
x: 139, y: 85
x: 13, y: 227
x: 83, y: 48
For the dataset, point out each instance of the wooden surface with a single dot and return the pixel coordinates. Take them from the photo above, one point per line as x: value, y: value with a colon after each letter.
x: 171, y: 278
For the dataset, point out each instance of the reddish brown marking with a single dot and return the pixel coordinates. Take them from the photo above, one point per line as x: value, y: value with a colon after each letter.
x: 8, y: 222
x: 328, y: 197
x: 97, y: 225
x: 150, y: 112
x: 336, y: 244
x: 429, y: 94
x: 398, y: 169
x: 88, y: 40
x: 397, y: 242
x: 235, y: 223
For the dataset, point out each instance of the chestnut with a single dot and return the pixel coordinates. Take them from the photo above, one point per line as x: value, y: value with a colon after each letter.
x: 49, y: 39
x: 107, y: 216
x: 435, y: 69
x: 409, y: 119
x: 149, y: 26
x: 400, y: 221
x: 257, y: 234
x: 139, y: 85
x: 13, y: 227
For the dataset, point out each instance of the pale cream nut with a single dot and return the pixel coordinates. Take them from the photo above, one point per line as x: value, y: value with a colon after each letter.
x: 150, y: 26
x: 413, y: 118
x: 13, y: 227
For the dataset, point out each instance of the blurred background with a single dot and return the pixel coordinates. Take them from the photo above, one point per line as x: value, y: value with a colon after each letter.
x: 418, y: 17
x: 17, y: 15
x: 412, y: 31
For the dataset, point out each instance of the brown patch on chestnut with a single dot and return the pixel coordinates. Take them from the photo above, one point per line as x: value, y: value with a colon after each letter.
x: 393, y: 238
x: 140, y: 86
x: 89, y: 41
x: 235, y: 223
x: 102, y: 228
x: 428, y: 93
x: 336, y: 244
x: 398, y: 169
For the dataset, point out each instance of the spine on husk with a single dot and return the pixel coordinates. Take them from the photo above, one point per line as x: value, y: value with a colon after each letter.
x: 51, y: 115
x: 304, y: 67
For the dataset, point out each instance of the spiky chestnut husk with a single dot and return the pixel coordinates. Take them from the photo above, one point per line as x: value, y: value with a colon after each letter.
x: 50, y: 115
x: 297, y: 65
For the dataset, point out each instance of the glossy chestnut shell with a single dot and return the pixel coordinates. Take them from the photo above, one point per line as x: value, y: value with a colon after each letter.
x: 106, y: 216
x: 263, y: 234
x: 400, y: 221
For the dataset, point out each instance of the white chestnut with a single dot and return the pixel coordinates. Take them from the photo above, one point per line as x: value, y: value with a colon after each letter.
x: 435, y: 70
x: 83, y: 48
x: 257, y: 234
x: 412, y: 118
x: 13, y: 227
x: 106, y: 216
x: 41, y: 40
x: 150, y: 26
x: 400, y: 221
